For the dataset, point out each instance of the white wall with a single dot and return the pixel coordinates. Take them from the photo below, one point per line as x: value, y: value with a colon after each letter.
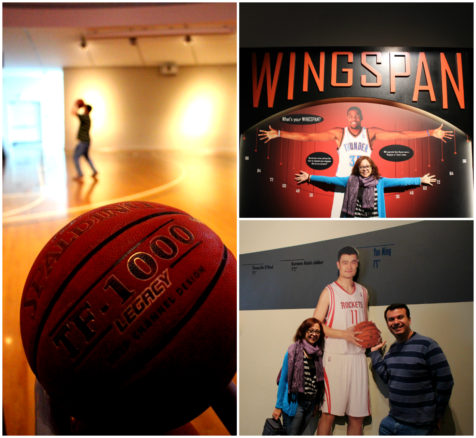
x: 265, y: 335
x: 44, y: 159
x: 139, y: 108
x: 42, y: 86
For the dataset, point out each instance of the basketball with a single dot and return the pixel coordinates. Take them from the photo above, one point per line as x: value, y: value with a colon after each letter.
x: 79, y: 103
x: 128, y: 316
x: 369, y: 335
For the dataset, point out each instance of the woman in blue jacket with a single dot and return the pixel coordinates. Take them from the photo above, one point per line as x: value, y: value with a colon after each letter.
x: 301, y: 382
x: 364, y: 188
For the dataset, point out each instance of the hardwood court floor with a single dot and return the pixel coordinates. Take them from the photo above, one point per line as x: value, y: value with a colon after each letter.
x: 40, y: 197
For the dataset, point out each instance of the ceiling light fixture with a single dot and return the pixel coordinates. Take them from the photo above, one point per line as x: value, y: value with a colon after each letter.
x: 154, y: 32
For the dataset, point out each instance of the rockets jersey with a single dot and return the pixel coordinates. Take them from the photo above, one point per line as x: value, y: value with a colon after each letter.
x: 350, y: 149
x: 345, y: 310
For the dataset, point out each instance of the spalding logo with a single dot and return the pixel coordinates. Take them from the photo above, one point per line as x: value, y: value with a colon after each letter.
x: 396, y: 153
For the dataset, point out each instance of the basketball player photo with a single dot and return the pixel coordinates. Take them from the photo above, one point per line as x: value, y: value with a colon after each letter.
x: 311, y: 113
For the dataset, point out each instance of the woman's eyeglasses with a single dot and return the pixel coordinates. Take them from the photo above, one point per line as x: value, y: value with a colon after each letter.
x: 314, y: 332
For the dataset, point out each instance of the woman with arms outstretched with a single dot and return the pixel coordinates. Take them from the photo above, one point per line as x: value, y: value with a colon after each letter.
x: 364, y: 188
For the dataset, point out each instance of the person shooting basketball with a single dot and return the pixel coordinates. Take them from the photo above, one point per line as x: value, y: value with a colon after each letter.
x: 82, y: 148
x: 353, y: 141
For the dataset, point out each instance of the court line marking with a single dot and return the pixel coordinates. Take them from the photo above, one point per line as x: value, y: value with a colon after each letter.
x: 79, y: 208
x: 19, y: 195
x: 41, y: 197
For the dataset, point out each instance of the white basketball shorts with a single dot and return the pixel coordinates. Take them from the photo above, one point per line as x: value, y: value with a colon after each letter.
x: 346, y: 381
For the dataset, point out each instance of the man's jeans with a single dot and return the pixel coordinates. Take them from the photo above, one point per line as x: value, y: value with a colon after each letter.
x: 390, y: 426
x: 82, y: 149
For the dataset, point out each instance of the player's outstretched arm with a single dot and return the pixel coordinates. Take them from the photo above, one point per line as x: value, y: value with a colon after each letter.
x: 382, y: 134
x: 441, y: 134
x: 271, y: 133
x: 267, y: 135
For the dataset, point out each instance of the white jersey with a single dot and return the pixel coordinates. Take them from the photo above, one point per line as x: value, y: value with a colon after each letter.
x: 345, y: 310
x: 350, y: 149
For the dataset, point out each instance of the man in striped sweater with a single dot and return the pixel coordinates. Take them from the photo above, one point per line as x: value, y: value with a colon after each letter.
x: 418, y: 376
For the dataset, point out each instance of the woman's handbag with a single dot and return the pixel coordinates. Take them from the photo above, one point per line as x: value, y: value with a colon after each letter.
x: 273, y: 427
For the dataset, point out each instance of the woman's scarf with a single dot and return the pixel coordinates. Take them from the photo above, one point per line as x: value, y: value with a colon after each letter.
x: 296, y: 364
x: 352, y: 191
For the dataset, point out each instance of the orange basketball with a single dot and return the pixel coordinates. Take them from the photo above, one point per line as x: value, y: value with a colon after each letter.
x: 128, y: 317
x: 79, y: 103
x: 369, y: 335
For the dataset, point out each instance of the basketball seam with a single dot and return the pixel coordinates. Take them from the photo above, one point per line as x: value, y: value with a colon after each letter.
x: 187, y: 317
x: 58, y: 293
x: 148, y: 355
x: 73, y: 306
x: 100, y: 337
